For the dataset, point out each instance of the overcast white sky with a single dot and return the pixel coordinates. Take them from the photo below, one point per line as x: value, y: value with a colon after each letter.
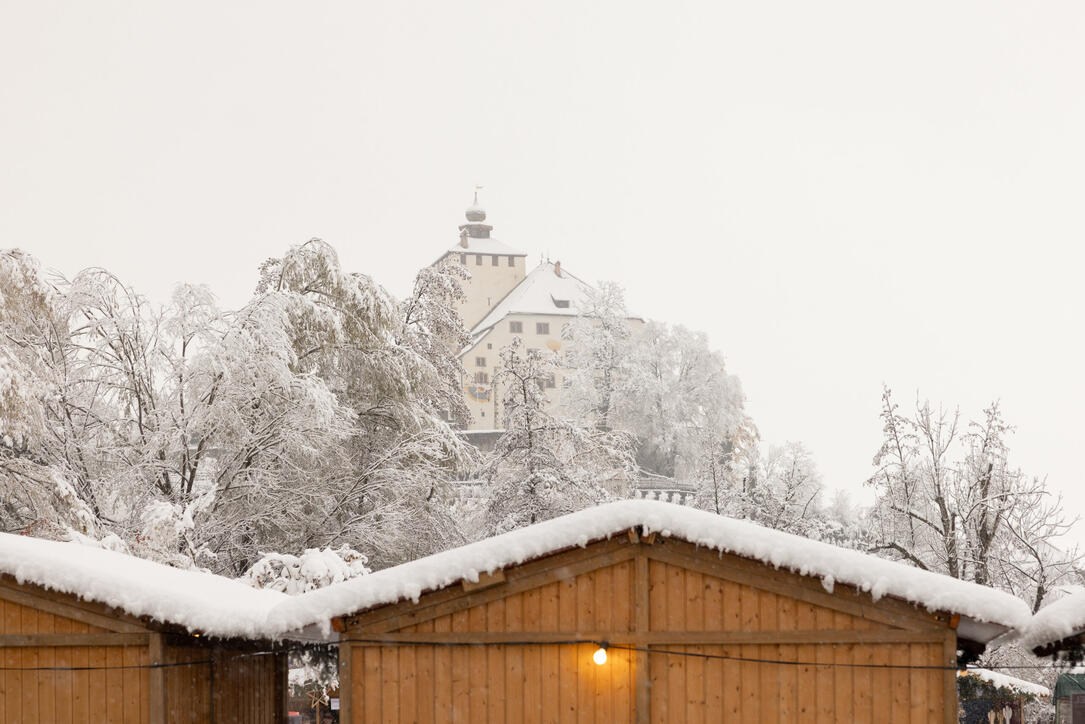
x: 840, y: 193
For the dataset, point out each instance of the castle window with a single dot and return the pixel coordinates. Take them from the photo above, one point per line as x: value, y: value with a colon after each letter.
x: 512, y: 261
x: 542, y: 327
x: 463, y: 259
x: 478, y: 259
x: 480, y: 361
x: 516, y: 327
x: 549, y: 382
x: 481, y: 378
x: 494, y: 260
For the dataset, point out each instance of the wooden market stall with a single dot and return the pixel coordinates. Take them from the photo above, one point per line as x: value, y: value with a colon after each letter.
x: 128, y: 641
x: 1057, y: 631
x: 702, y: 619
x: 992, y: 697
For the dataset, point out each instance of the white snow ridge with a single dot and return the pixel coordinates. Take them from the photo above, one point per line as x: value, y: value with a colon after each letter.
x: 218, y: 606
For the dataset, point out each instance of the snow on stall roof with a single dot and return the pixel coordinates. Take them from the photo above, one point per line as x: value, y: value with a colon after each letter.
x: 537, y: 293
x: 200, y: 602
x: 485, y: 245
x: 218, y: 606
x: 1055, y: 621
x: 1004, y: 681
x: 831, y: 564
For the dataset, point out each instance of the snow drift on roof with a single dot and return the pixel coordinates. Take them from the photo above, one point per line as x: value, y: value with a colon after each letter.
x: 1003, y: 681
x: 486, y: 245
x: 218, y: 606
x: 540, y: 292
x: 1055, y: 621
x: 831, y: 564
x: 200, y: 602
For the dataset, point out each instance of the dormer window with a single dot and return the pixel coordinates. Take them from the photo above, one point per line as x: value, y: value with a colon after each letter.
x: 560, y: 303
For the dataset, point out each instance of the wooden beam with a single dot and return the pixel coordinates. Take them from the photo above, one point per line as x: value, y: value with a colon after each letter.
x: 93, y: 639
x: 157, y: 680
x: 373, y: 619
x: 485, y: 580
x: 803, y: 588
x: 643, y: 701
x: 560, y: 570
x: 649, y: 638
x: 60, y: 604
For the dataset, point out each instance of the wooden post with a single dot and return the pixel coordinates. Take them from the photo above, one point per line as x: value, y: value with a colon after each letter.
x: 282, y: 687
x: 157, y: 680
x: 346, y: 683
x: 640, y: 605
x: 949, y: 658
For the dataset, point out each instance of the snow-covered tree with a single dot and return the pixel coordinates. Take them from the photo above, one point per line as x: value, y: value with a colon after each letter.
x: 949, y: 500
x: 33, y: 495
x: 789, y: 494
x: 598, y: 357
x: 434, y: 330
x: 314, y: 568
x: 679, y: 400
x: 544, y: 465
x: 311, y: 417
x: 387, y: 363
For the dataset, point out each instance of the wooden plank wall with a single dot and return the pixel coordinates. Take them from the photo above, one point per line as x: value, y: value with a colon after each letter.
x: 688, y: 689
x: 559, y: 683
x: 243, y: 690
x: 247, y: 689
x: 68, y: 697
x: 544, y: 683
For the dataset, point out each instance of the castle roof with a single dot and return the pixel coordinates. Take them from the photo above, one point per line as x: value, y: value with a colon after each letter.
x: 485, y: 245
x: 548, y: 289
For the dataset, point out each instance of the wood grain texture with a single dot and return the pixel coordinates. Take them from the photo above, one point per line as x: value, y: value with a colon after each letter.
x: 792, y: 650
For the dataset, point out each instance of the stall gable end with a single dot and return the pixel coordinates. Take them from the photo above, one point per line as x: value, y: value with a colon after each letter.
x: 691, y: 634
x: 69, y: 660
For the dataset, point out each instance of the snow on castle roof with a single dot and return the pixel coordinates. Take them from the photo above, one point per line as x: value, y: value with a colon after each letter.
x: 485, y: 245
x: 831, y: 564
x: 200, y: 602
x: 1055, y: 622
x: 539, y: 293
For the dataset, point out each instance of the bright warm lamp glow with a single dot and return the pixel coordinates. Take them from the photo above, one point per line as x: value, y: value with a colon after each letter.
x: 600, y: 656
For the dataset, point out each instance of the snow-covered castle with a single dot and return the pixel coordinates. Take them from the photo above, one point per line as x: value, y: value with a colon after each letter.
x: 503, y: 301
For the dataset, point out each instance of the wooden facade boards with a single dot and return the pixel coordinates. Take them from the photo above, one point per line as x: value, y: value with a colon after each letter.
x: 694, y: 636
x: 67, y: 661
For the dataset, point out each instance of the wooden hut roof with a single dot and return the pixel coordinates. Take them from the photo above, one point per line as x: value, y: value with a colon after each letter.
x: 985, y: 612
x: 200, y: 602
x: 1057, y: 626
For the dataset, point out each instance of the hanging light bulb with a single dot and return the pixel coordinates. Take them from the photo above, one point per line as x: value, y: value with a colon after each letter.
x: 600, y: 655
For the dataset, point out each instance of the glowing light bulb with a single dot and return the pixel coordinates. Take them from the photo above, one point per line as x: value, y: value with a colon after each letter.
x: 600, y: 656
